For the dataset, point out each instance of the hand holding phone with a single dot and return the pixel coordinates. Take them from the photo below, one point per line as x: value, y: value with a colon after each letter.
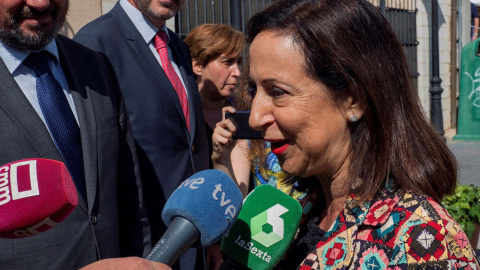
x: 244, y: 131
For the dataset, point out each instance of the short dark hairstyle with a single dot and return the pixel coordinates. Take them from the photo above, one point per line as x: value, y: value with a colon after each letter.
x: 349, y: 47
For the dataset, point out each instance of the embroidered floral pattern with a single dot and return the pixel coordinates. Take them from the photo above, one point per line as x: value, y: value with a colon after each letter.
x: 397, y: 230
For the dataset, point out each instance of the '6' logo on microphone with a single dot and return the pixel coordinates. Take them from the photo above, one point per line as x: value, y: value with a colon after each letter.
x: 9, y: 174
x: 270, y: 217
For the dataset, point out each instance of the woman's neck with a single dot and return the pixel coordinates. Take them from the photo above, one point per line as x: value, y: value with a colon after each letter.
x: 212, y: 108
x: 335, y: 192
x: 211, y: 102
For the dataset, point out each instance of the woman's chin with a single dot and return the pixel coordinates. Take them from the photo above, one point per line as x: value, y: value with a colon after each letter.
x: 292, y: 168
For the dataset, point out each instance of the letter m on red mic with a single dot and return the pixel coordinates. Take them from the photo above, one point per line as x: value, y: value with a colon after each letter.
x: 35, y: 195
x: 264, y: 228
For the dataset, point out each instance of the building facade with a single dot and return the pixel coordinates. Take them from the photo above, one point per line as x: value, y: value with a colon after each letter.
x: 454, y: 29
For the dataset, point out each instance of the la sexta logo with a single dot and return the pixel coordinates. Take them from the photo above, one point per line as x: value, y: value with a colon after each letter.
x: 269, y: 218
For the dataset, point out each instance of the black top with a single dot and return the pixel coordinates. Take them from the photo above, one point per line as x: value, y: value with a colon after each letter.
x: 308, y: 237
x: 210, y: 146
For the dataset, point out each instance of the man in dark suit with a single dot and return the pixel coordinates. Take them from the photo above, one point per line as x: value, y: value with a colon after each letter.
x: 170, y: 138
x: 110, y: 220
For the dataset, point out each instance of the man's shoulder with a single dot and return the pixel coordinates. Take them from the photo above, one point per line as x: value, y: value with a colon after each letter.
x: 100, y: 26
x: 72, y: 47
x: 100, y: 33
x: 81, y: 56
x: 179, y: 43
x: 174, y: 37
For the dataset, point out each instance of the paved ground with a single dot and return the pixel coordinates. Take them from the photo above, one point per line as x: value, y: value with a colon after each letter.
x: 468, y: 157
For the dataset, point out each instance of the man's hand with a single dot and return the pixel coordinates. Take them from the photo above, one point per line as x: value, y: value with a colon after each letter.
x: 129, y: 263
x: 214, y: 257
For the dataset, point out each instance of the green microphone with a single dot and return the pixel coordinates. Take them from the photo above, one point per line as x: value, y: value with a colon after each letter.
x: 263, y: 230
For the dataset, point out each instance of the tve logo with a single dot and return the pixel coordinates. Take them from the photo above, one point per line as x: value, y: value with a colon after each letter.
x: 8, y: 175
x: 217, y: 194
x: 270, y: 217
x: 210, y: 200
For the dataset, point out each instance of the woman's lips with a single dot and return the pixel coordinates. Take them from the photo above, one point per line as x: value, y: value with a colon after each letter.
x: 279, y: 147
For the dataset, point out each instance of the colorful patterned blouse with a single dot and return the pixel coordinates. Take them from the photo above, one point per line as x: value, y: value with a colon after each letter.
x: 271, y: 173
x: 397, y: 230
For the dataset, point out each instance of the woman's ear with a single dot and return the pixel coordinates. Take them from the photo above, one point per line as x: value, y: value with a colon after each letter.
x: 197, y: 68
x: 353, y: 108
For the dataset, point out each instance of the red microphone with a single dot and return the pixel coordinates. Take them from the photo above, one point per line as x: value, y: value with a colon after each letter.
x: 35, y: 195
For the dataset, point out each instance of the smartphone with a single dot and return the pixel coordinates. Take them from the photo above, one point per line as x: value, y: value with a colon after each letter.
x: 244, y: 131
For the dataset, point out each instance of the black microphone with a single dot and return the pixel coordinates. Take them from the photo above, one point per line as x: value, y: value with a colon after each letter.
x: 198, y: 213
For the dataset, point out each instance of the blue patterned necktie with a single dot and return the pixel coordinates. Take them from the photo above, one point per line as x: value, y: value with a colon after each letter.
x: 59, y: 118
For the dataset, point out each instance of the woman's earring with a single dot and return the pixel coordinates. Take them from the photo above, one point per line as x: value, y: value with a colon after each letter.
x: 353, y: 118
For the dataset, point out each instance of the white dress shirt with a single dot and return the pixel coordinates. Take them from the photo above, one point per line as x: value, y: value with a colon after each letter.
x: 26, y: 78
x: 148, y: 30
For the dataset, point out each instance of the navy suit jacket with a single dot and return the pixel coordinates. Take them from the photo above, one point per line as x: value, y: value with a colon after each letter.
x: 112, y: 222
x: 168, y: 153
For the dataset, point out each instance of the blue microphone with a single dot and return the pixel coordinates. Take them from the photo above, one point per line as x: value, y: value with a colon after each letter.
x: 198, y: 213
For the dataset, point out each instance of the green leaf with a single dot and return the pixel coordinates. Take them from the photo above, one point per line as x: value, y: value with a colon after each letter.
x: 464, y: 206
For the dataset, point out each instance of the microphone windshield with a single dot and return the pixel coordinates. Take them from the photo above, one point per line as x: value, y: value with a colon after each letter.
x: 210, y: 200
x: 264, y: 228
x: 35, y: 195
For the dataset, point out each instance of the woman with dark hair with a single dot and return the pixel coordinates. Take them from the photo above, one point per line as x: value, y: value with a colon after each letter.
x: 249, y: 162
x: 333, y: 96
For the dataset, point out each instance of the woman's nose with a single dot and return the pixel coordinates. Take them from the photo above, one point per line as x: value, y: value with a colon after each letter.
x: 260, y: 116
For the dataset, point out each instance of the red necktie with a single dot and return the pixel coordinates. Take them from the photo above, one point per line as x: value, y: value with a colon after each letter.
x: 161, y: 46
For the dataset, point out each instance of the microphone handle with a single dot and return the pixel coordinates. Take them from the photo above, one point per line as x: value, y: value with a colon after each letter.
x: 179, y: 236
x: 232, y: 264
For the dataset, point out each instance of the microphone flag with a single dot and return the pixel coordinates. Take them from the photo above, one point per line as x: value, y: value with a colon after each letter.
x: 264, y: 228
x: 210, y: 200
x: 35, y: 195
x: 198, y: 213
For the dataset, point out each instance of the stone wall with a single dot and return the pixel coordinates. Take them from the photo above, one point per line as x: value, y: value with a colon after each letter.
x: 424, y: 54
x: 80, y: 13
